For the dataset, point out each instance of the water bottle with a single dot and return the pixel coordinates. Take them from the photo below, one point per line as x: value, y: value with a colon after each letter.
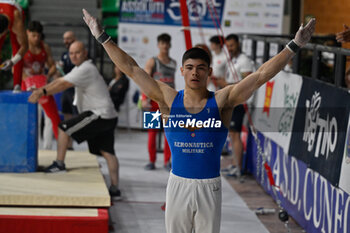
x: 263, y: 211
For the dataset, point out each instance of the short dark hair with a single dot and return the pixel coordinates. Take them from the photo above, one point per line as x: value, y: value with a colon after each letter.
x: 35, y: 26
x: 164, y: 37
x: 232, y: 37
x: 4, y: 23
x: 217, y: 40
x: 196, y: 53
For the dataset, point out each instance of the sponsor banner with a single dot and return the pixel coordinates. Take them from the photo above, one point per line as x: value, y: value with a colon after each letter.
x: 251, y: 16
x: 275, y: 104
x: 167, y: 12
x: 344, y: 182
x: 202, y: 13
x: 234, y: 16
x: 319, y: 128
x: 306, y: 195
x: 142, y: 11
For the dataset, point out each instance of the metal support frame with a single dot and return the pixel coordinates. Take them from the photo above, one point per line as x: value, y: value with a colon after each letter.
x: 266, y: 55
x: 316, y: 60
x: 339, y: 61
x: 339, y: 71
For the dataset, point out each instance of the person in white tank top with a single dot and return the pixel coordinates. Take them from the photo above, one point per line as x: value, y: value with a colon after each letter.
x: 219, y: 61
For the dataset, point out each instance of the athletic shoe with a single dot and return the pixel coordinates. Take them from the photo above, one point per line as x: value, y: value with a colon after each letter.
x: 55, y: 168
x: 115, y: 193
x: 228, y: 169
x: 168, y: 166
x: 234, y: 172
x: 150, y: 166
x: 17, y: 89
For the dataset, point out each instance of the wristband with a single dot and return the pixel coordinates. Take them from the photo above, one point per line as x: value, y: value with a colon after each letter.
x: 292, y: 46
x: 45, y: 92
x: 16, y: 59
x: 103, y: 38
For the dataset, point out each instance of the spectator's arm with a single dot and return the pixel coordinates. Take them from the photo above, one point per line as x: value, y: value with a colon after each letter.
x: 54, y: 87
x: 343, y: 36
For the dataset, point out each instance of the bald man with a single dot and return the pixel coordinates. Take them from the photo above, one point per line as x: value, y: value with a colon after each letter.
x: 97, y: 117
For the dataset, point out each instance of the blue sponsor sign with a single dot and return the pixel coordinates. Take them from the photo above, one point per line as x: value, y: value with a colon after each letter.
x: 142, y: 11
x: 202, y: 13
x: 308, y: 197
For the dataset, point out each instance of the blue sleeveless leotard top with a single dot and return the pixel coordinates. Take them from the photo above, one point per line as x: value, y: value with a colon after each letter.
x: 195, y: 140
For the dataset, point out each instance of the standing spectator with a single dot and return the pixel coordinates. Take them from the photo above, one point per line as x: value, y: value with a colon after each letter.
x: 68, y: 39
x: 162, y: 68
x: 67, y: 97
x: 118, y: 87
x: 97, y: 117
x: 243, y: 67
x: 11, y: 20
x: 219, y: 61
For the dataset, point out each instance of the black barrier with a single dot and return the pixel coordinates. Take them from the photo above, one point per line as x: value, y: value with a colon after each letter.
x: 334, y: 74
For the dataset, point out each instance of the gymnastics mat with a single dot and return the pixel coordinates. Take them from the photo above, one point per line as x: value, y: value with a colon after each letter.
x: 53, y: 220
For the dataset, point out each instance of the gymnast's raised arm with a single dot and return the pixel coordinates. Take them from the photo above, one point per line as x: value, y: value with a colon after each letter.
x: 153, y: 89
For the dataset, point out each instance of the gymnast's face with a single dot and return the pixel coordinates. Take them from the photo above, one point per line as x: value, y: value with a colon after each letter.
x: 164, y: 47
x: 195, y: 72
x: 34, y: 38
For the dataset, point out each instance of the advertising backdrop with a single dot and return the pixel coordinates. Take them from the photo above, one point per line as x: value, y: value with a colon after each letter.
x: 304, y: 134
x: 316, y: 204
